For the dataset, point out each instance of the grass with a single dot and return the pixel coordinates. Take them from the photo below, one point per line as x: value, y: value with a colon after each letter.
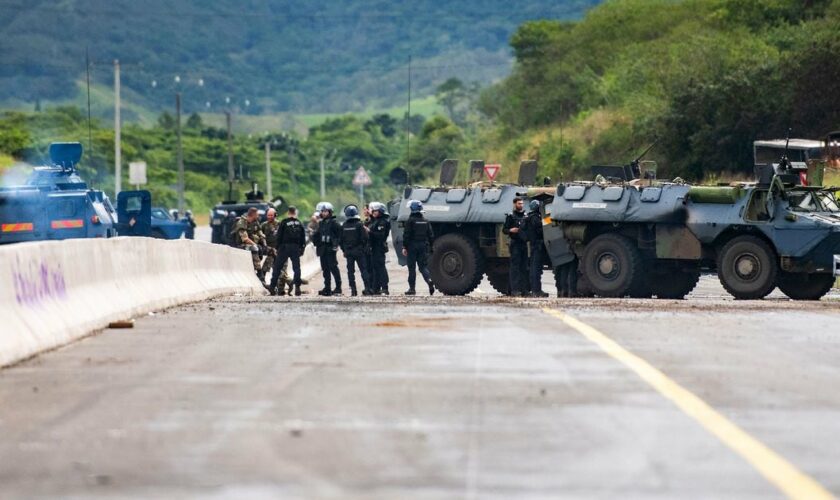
x: 260, y: 124
x: 426, y: 106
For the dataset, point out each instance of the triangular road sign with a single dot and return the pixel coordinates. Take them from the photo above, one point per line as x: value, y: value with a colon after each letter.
x: 491, y: 171
x: 361, y: 178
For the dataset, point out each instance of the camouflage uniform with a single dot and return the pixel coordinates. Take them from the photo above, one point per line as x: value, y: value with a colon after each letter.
x: 244, y: 230
x: 269, y: 229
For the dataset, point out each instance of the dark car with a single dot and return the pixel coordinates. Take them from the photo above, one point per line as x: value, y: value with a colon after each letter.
x: 164, y: 227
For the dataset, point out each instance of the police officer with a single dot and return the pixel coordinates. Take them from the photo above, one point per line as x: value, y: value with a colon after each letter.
x: 534, y: 231
x: 327, y: 241
x: 418, y: 238
x: 514, y: 228
x: 248, y: 236
x: 269, y: 229
x: 380, y: 228
x: 189, y: 231
x: 354, y: 242
x: 566, y: 277
x: 291, y: 241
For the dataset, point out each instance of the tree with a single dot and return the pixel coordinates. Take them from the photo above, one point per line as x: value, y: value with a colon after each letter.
x: 450, y: 94
x: 194, y: 122
x: 166, y: 121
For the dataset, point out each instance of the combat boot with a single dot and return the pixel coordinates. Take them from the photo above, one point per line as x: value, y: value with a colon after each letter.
x: 325, y: 292
x: 281, y: 291
x: 411, y: 291
x: 337, y: 290
x: 384, y: 291
x: 297, y: 290
x: 539, y: 294
x: 353, y: 292
x: 431, y: 288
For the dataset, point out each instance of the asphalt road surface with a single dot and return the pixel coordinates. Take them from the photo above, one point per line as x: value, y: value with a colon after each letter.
x: 435, y: 397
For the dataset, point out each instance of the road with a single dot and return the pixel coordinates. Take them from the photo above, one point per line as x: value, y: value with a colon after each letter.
x: 435, y: 397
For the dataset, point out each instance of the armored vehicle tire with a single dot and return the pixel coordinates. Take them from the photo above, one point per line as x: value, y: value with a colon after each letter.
x: 456, y: 264
x: 803, y: 286
x: 158, y: 234
x: 612, y: 265
x: 674, y: 285
x: 747, y: 268
x: 500, y: 281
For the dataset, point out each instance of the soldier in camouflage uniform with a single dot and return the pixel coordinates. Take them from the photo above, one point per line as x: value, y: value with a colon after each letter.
x: 269, y: 229
x: 248, y: 236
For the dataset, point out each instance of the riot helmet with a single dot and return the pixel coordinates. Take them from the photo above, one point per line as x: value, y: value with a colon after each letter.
x: 351, y: 212
x: 416, y: 206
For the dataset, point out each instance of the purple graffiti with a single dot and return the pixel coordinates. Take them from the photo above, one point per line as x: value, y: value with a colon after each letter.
x: 37, y: 282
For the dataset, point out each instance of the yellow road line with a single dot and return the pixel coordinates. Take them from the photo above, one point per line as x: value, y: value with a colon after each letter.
x: 778, y: 471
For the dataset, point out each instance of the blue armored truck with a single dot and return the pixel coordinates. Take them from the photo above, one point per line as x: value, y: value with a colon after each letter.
x: 56, y: 204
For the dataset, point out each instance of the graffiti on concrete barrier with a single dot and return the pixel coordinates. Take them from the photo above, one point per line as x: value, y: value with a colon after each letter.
x: 38, y: 281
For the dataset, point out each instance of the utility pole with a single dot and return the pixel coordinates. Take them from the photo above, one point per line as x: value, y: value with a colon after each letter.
x: 323, y: 184
x: 230, y: 156
x: 292, y: 167
x: 117, y: 131
x: 268, y: 169
x: 180, y: 153
x: 408, y: 119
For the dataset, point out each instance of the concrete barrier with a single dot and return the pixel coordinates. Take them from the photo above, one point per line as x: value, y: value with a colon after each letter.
x: 54, y: 292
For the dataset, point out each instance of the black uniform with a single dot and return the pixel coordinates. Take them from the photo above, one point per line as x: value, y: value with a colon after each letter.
x: 539, y: 255
x: 328, y: 239
x: 566, y: 277
x: 291, y: 241
x: 189, y: 231
x: 418, y: 238
x: 354, y: 242
x: 380, y: 228
x: 518, y: 252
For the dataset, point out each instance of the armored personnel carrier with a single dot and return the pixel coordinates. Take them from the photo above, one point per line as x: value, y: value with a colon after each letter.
x: 642, y: 237
x: 467, y: 222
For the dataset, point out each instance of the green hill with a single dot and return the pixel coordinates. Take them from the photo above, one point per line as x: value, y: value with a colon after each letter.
x: 282, y: 56
x: 706, y: 77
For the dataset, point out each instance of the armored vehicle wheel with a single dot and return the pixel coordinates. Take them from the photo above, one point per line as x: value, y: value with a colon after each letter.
x: 456, y: 264
x: 747, y: 268
x: 674, y: 285
x: 612, y: 265
x: 803, y: 286
x: 157, y: 234
x: 500, y: 281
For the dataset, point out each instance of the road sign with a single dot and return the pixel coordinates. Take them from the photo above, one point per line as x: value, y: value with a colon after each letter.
x: 491, y: 171
x: 362, y: 178
x: 137, y: 173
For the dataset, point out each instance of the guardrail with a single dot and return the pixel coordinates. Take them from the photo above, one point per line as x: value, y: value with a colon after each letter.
x: 55, y: 292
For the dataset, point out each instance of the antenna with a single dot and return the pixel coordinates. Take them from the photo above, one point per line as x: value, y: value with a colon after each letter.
x: 408, y: 119
x: 646, y: 151
x: 784, y: 163
x: 87, y: 70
